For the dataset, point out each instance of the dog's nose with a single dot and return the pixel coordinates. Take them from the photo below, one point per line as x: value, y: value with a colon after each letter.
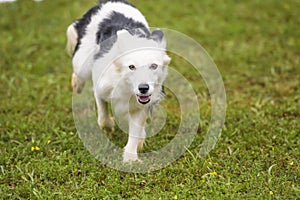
x: 143, y: 88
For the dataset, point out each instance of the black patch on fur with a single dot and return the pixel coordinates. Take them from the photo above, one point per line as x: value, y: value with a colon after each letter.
x: 108, y: 28
x: 118, y: 1
x: 81, y: 24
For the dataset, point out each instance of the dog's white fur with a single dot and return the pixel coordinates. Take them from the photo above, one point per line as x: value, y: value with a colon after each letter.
x: 113, y: 81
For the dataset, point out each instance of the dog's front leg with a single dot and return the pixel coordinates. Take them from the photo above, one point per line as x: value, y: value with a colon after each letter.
x: 136, y: 136
x: 104, y: 120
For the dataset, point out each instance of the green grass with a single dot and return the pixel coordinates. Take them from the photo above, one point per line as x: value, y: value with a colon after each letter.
x: 256, y: 47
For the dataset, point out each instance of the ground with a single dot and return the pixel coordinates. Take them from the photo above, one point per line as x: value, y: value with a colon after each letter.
x: 255, y: 45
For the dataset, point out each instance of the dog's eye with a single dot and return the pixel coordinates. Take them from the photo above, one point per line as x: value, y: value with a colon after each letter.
x: 132, y: 67
x: 153, y: 66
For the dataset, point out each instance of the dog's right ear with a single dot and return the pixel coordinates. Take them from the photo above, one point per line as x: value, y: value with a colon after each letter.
x: 124, y: 38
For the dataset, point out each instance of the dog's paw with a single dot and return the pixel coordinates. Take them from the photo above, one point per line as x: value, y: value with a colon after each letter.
x: 130, y: 157
x: 107, y: 125
x: 77, y: 84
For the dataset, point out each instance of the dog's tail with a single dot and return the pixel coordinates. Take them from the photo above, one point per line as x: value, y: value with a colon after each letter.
x: 71, y: 39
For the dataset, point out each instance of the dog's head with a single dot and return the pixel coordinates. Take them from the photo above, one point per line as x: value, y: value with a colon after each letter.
x: 143, y: 64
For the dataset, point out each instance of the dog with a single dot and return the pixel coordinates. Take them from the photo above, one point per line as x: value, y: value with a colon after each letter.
x: 113, y: 46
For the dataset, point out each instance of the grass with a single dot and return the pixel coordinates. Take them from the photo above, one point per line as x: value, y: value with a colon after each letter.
x: 256, y: 47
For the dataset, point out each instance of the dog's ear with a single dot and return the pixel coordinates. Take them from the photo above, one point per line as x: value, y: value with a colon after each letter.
x: 123, y: 34
x: 158, y: 36
x: 124, y: 38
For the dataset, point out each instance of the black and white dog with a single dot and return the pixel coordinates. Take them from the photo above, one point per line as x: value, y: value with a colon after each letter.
x: 113, y: 46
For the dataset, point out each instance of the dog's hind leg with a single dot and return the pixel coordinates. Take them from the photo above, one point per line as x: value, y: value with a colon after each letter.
x: 77, y: 83
x: 72, y: 36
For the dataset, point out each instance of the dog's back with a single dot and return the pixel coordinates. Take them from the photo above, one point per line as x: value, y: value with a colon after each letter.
x: 100, y: 23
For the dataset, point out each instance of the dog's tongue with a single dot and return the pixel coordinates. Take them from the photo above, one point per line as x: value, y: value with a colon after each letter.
x: 144, y: 99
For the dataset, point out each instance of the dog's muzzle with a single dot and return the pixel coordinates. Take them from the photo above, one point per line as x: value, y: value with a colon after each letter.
x: 144, y: 97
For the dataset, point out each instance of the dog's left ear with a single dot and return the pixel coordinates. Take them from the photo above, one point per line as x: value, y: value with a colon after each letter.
x: 159, y: 37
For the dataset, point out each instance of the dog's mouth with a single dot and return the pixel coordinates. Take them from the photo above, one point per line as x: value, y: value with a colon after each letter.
x: 144, y: 99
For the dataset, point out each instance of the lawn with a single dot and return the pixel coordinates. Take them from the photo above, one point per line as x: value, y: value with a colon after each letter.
x: 255, y: 45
